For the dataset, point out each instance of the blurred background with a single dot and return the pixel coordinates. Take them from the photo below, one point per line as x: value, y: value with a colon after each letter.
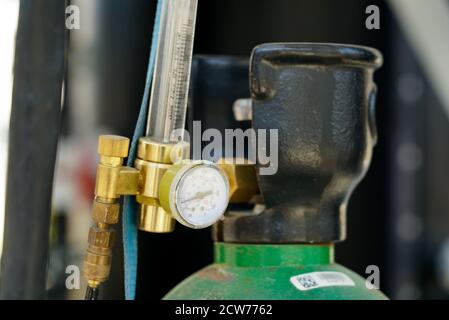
x: 398, y: 218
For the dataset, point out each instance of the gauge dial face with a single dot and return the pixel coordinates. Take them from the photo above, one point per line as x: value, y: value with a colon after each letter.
x: 201, y: 196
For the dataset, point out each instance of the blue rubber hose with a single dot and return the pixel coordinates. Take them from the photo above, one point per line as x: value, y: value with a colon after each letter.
x: 129, y: 204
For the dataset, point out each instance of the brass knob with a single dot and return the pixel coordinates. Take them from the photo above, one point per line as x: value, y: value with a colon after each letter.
x: 159, y: 152
x: 113, y: 146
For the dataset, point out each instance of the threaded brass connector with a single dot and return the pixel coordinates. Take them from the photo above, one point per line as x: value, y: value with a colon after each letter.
x: 97, y: 263
x: 242, y: 179
x: 113, y: 180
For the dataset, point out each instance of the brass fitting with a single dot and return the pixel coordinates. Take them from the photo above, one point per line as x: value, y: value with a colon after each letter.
x: 113, y: 180
x: 160, y: 152
x: 106, y: 213
x: 97, y: 263
x: 153, y: 160
x: 153, y: 218
x: 242, y: 179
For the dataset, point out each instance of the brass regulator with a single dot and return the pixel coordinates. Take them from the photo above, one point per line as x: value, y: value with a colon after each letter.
x: 168, y: 188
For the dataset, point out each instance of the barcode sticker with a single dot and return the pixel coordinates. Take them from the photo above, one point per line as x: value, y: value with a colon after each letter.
x: 313, y: 280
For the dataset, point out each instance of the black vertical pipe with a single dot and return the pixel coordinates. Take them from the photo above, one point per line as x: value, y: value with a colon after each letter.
x: 34, y: 130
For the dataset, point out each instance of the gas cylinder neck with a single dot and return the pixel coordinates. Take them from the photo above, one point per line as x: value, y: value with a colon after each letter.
x: 268, y: 255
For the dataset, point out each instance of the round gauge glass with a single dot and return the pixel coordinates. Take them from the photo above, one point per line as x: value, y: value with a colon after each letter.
x: 201, y: 196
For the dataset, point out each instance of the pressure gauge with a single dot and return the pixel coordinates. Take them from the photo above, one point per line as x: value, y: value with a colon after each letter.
x: 195, y: 192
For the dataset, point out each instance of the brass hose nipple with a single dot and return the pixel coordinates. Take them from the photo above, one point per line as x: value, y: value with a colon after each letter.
x: 113, y: 181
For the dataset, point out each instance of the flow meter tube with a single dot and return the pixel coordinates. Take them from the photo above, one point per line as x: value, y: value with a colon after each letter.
x: 170, y: 87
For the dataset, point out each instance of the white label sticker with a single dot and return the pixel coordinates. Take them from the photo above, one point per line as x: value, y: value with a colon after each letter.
x: 313, y: 280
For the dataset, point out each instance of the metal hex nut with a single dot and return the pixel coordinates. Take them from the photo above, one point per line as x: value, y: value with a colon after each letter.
x: 242, y: 180
x: 101, y: 238
x: 107, y: 213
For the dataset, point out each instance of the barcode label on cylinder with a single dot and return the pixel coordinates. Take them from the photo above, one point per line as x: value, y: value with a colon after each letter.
x: 313, y: 280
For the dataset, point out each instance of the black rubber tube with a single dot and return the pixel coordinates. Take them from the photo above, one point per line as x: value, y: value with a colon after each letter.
x: 34, y: 130
x: 91, y: 293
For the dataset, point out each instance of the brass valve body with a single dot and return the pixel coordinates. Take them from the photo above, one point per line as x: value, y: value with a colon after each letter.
x: 153, y: 160
x: 115, y: 180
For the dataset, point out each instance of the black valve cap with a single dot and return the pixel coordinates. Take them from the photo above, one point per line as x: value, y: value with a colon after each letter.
x: 320, y: 98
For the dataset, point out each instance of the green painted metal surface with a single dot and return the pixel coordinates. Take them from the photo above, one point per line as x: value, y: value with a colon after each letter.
x: 263, y: 272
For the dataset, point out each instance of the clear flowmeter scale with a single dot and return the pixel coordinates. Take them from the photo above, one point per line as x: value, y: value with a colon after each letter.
x: 168, y: 102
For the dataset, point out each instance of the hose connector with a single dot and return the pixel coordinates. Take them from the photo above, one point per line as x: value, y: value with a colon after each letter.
x: 113, y: 181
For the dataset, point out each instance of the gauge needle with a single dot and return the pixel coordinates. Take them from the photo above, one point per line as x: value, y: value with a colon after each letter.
x: 199, y: 196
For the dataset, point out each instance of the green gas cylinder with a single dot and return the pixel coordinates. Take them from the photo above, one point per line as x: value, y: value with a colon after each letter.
x: 274, y: 272
x: 320, y: 99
